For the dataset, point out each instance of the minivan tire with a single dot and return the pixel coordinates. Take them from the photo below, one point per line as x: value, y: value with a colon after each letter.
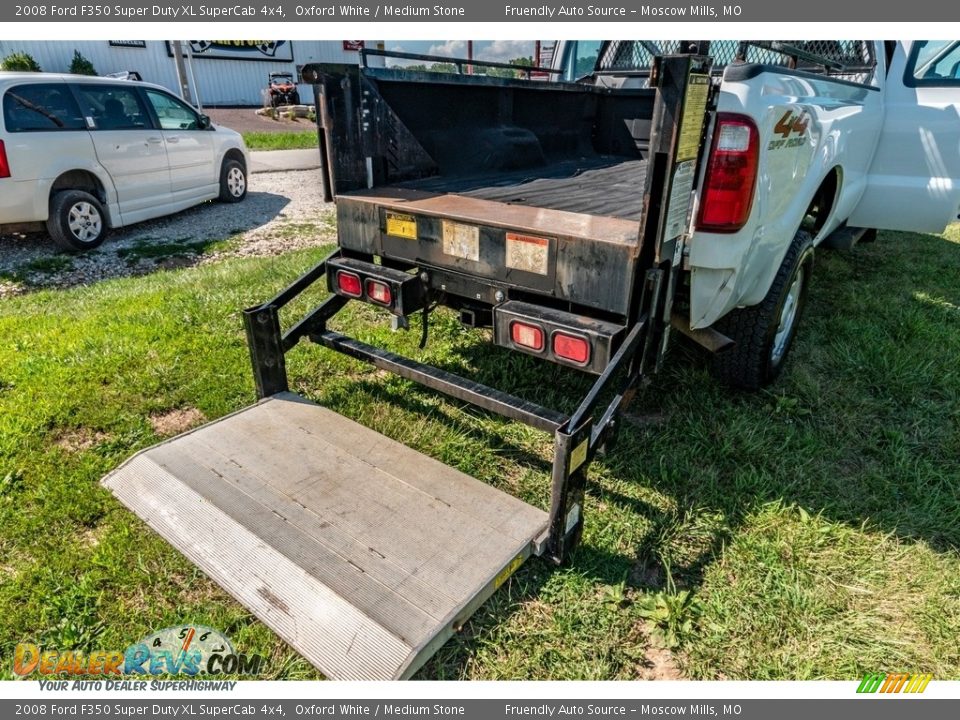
x: 233, y: 181
x: 764, y: 333
x: 77, y: 221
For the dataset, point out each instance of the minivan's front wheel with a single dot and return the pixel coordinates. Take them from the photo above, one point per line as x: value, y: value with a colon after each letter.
x: 77, y: 220
x: 233, y: 181
x: 764, y: 333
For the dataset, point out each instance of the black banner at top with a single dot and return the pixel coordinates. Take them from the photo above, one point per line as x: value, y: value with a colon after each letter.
x: 480, y: 11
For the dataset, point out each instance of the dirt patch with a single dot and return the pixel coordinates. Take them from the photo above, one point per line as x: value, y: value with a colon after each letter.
x: 78, y: 440
x: 176, y: 421
x: 658, y: 664
x: 246, y: 120
x: 90, y: 537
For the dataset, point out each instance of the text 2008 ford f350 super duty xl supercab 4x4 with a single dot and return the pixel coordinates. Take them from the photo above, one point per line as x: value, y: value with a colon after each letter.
x: 646, y: 187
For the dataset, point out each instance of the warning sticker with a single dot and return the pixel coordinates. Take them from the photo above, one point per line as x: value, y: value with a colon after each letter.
x: 678, y: 207
x: 694, y: 112
x: 402, y: 225
x: 462, y: 241
x: 528, y: 253
x: 509, y: 570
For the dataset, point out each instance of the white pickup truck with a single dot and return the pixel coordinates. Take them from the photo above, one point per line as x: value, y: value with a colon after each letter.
x: 820, y: 149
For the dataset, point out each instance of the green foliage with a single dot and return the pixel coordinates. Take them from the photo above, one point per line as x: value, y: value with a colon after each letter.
x: 81, y: 66
x: 21, y: 62
x: 673, y: 614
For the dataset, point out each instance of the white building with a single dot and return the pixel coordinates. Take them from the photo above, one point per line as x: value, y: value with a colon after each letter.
x: 225, y: 72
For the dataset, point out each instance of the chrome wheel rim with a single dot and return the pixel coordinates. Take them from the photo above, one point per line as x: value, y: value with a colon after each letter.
x: 236, y: 181
x: 788, y: 317
x: 84, y: 221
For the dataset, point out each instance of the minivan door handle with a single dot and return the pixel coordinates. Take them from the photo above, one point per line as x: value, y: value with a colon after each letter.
x: 173, y: 138
x: 154, y: 140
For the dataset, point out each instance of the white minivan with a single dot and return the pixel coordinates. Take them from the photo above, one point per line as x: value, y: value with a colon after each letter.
x: 81, y: 155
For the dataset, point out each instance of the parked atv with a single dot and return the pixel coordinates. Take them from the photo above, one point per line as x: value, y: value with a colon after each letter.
x: 282, y: 90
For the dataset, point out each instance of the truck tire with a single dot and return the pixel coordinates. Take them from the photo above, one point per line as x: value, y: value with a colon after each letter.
x: 77, y: 221
x: 233, y: 181
x: 764, y: 333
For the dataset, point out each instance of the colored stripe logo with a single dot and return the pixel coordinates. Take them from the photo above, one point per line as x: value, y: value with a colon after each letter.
x: 894, y: 682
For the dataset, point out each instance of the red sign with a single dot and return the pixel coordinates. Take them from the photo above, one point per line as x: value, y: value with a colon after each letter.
x: 353, y: 45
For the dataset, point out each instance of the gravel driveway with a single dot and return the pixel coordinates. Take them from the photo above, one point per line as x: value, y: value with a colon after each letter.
x: 282, y: 211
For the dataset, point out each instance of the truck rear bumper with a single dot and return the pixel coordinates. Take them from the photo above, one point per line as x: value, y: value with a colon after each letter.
x: 586, y: 260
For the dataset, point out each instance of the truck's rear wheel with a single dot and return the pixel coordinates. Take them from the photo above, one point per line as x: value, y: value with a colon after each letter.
x: 764, y: 333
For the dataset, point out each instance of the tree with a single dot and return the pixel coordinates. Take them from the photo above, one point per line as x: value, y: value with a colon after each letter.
x: 20, y: 61
x: 80, y: 65
x: 507, y: 72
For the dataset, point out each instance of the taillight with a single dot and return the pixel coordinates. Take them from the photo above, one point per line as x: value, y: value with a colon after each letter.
x: 349, y: 284
x: 379, y: 292
x: 527, y: 335
x: 731, y: 175
x: 574, y: 348
x: 4, y: 165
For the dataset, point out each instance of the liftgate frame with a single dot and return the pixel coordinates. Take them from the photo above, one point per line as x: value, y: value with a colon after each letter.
x: 682, y: 106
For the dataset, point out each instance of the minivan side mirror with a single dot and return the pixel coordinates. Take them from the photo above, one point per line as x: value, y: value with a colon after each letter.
x: 204, y: 123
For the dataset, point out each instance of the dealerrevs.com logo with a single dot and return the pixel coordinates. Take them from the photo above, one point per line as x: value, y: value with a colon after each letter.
x: 183, y: 650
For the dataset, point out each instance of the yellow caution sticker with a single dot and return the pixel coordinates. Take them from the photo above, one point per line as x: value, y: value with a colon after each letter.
x: 579, y: 455
x: 402, y: 225
x: 509, y: 570
x: 694, y: 113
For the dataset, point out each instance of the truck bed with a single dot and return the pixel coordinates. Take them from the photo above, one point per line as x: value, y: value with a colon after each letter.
x: 605, y: 186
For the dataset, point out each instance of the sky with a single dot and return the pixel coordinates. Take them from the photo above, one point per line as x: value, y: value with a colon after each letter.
x: 494, y: 50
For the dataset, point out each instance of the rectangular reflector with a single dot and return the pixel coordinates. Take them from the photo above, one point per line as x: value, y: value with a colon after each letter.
x: 525, y: 335
x: 349, y: 284
x: 379, y: 292
x: 571, y: 347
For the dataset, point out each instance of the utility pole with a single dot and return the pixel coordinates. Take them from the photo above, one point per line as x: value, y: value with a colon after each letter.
x: 470, y: 56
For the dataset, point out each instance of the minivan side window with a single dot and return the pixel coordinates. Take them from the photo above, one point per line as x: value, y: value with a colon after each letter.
x: 41, y: 107
x: 173, y: 114
x: 109, y: 107
x: 934, y: 62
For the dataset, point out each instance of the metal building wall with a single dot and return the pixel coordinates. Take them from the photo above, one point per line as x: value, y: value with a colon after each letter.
x: 220, y: 82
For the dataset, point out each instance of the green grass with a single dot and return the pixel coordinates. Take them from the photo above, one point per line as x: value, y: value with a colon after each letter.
x: 281, y: 140
x: 810, y: 531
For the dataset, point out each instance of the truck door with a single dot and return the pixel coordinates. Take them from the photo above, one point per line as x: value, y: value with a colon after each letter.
x: 914, y: 179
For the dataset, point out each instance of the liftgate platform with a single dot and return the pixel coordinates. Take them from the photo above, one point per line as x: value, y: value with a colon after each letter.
x: 362, y: 554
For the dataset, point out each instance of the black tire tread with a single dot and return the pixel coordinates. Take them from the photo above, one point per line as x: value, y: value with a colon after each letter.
x: 61, y: 235
x: 746, y: 365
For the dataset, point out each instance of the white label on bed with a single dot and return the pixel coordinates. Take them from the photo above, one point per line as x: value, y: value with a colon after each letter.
x: 528, y: 253
x: 462, y: 241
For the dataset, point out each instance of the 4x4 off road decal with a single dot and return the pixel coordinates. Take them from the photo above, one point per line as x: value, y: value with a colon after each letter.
x: 788, y: 126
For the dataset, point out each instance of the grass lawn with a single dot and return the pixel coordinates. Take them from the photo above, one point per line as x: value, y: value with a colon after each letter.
x: 810, y: 531
x: 281, y: 140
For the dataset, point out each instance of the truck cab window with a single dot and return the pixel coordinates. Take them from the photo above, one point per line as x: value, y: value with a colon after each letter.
x: 935, y: 62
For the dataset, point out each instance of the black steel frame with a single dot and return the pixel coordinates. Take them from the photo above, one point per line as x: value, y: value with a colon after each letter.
x: 578, y: 436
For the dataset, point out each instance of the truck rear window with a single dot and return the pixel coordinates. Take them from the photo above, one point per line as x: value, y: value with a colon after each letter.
x: 41, y: 107
x: 934, y: 62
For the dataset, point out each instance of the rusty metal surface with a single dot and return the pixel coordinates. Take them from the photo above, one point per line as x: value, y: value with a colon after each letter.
x: 534, y: 220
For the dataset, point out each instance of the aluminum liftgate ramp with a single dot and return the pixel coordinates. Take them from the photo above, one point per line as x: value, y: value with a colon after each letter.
x: 363, y: 554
